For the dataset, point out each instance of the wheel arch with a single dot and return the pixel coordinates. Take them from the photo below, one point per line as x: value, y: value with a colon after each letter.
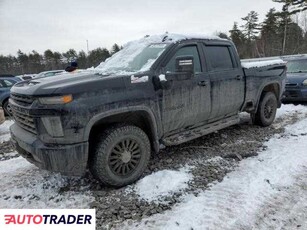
x: 273, y: 87
x: 4, y: 99
x: 141, y: 117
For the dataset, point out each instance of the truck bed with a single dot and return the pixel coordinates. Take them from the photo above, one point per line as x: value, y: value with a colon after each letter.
x: 261, y: 72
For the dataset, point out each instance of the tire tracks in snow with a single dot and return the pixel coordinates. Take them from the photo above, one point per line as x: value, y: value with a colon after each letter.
x: 265, y: 192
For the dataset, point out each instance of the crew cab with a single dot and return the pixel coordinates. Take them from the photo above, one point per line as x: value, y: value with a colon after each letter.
x: 158, y: 91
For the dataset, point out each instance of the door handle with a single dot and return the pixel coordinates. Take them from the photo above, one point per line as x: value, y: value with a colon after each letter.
x: 239, y: 77
x: 203, y: 83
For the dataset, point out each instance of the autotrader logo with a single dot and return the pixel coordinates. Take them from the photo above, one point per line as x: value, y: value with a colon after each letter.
x: 48, y: 218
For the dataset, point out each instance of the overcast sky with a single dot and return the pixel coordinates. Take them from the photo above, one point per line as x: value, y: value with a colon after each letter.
x: 62, y: 24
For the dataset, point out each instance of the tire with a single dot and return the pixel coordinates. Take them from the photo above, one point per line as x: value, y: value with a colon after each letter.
x: 266, y: 110
x: 121, y: 155
x: 6, y: 108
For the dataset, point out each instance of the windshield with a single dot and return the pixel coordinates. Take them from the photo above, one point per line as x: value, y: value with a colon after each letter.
x: 132, y: 59
x: 297, y: 66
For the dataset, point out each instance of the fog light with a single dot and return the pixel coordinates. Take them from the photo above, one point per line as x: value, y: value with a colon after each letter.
x: 53, y: 126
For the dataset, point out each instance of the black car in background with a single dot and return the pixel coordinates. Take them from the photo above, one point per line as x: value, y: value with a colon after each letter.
x: 296, y: 84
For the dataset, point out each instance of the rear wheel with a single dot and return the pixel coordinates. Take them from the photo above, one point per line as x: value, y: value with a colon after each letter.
x: 120, y: 156
x: 266, y: 110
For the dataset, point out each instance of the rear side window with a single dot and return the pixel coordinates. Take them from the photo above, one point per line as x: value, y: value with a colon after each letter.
x: 185, y: 51
x: 219, y: 57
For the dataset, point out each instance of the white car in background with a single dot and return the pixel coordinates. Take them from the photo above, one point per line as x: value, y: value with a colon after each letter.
x: 48, y: 73
x: 25, y: 77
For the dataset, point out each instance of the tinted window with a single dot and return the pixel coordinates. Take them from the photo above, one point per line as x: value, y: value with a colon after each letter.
x: 219, y: 57
x: 185, y: 51
x: 1, y: 84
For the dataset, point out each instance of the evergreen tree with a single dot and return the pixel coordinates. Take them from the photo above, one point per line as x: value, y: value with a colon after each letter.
x: 251, y: 26
x: 48, y: 59
x: 238, y: 39
x: 23, y: 61
x: 270, y: 37
x: 97, y: 56
x: 293, y: 6
x: 250, y: 32
x: 115, y: 49
x: 82, y: 60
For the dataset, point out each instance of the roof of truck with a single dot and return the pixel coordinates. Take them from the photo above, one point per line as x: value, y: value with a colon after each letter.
x: 172, y: 38
x: 133, y: 47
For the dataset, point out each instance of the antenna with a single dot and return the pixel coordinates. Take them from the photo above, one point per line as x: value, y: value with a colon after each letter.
x: 87, y: 46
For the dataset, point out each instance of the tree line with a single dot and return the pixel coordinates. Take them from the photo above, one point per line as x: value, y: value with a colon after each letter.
x: 34, y: 62
x: 281, y: 33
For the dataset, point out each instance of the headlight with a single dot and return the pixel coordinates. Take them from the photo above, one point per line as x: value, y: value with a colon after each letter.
x: 305, y: 82
x: 55, y: 100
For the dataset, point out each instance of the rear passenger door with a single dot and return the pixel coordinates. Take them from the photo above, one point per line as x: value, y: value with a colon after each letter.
x: 227, y: 80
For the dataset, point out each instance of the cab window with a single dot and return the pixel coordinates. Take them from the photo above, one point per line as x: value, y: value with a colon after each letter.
x: 185, y: 51
x: 219, y: 57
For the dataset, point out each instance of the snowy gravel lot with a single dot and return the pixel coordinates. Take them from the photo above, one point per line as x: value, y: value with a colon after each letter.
x: 241, y: 177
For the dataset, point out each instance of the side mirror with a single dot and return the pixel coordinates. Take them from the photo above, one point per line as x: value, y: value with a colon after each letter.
x: 185, y: 64
x: 184, y: 70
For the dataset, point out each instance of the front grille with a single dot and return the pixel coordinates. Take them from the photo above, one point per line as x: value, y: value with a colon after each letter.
x: 22, y: 99
x: 24, y: 120
x: 20, y: 114
x: 291, y: 84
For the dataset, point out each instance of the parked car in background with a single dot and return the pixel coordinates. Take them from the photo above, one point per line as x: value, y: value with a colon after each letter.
x: 296, y: 84
x: 6, y: 83
x: 48, y: 73
x: 25, y: 77
x: 2, y: 117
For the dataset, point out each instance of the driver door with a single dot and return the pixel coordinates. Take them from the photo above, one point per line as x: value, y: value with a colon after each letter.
x: 187, y: 101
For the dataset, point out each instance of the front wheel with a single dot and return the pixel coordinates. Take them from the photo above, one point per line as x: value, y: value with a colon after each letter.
x: 266, y: 110
x: 121, y: 155
x: 7, y: 108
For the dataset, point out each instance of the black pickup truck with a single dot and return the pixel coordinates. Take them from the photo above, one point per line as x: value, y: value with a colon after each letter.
x: 157, y: 91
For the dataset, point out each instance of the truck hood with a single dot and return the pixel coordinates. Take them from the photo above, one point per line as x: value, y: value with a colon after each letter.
x: 59, y: 84
x: 296, y: 78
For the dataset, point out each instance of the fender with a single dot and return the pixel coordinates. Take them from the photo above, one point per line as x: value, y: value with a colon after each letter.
x: 262, y: 88
x: 154, y: 125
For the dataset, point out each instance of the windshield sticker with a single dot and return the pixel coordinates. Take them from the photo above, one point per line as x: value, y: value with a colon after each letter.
x: 138, y: 79
x: 158, y: 46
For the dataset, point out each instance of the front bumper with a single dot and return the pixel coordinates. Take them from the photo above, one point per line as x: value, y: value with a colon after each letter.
x: 292, y: 94
x: 66, y: 159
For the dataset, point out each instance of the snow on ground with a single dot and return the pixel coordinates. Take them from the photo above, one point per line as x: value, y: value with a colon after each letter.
x: 5, y: 130
x: 25, y: 186
x: 267, y: 191
x: 285, y: 114
x: 162, y: 183
x: 290, y: 109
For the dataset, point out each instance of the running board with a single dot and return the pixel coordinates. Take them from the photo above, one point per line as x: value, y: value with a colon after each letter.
x: 197, y: 132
